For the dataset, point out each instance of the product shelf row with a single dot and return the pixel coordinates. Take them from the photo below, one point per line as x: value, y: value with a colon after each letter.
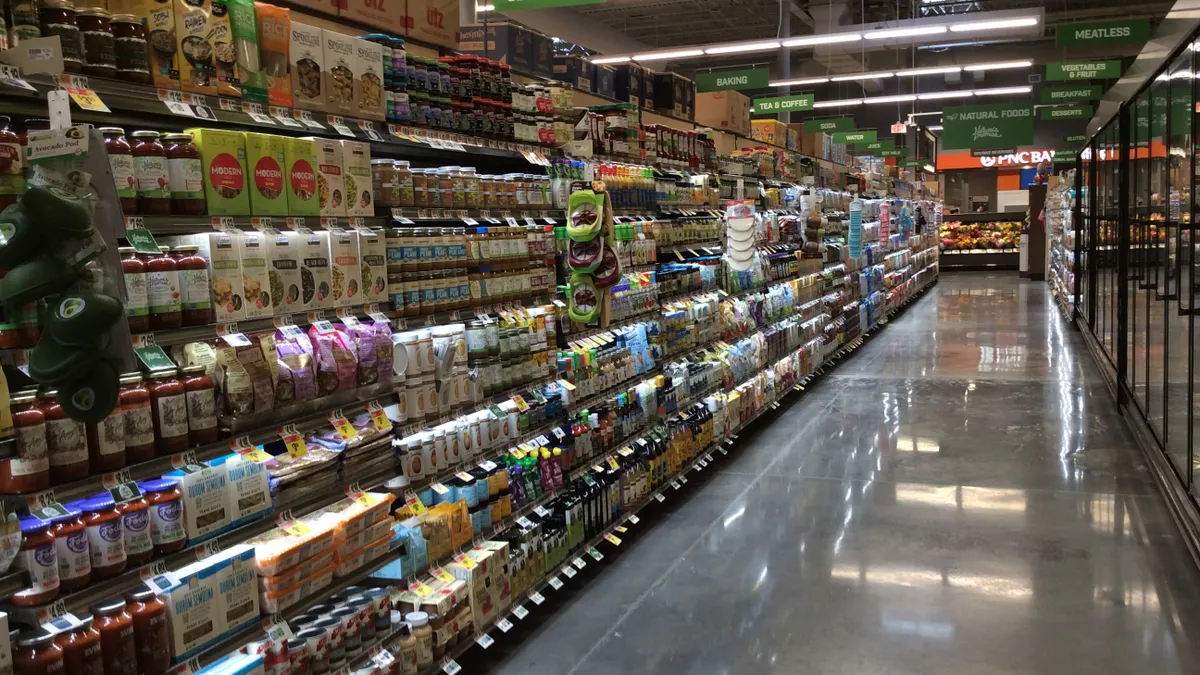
x: 176, y: 225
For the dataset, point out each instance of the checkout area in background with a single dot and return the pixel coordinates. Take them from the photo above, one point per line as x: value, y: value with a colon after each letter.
x: 987, y: 199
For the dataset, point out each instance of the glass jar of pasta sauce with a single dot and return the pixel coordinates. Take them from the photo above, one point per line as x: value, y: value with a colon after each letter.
x: 139, y: 419
x: 150, y: 171
x: 37, y: 654
x: 137, y: 303
x: 81, y: 649
x: 135, y: 520
x: 117, y: 642
x: 132, y: 48
x: 201, y: 405
x: 194, y: 290
x: 106, y: 443
x: 71, y: 549
x: 151, y: 631
x: 29, y: 470
x: 166, y: 515
x: 169, y: 403
x: 66, y: 441
x: 106, y: 536
x: 162, y: 289
x: 38, y: 559
x: 185, y: 174
x: 120, y: 161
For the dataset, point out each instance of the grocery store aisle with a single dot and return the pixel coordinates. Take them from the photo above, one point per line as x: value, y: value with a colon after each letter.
x: 959, y: 496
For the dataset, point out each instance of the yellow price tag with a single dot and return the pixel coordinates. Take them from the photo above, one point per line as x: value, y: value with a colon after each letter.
x: 625, y: 452
x: 566, y: 385
x: 295, y: 527
x: 296, y: 446
x: 87, y: 99
x: 465, y: 561
x: 256, y: 455
x: 613, y: 539
x: 343, y: 426
x: 612, y: 462
x: 621, y: 528
x: 518, y: 453
x: 380, y: 419
x: 734, y: 396
x: 365, y: 498
x: 442, y: 574
x: 415, y: 505
x: 421, y: 589
x: 521, y: 404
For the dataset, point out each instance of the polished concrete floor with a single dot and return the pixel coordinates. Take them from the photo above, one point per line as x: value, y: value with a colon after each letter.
x: 960, y: 496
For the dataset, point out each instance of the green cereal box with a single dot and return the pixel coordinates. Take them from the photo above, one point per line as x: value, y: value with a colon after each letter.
x: 300, y: 158
x: 223, y: 154
x: 265, y: 157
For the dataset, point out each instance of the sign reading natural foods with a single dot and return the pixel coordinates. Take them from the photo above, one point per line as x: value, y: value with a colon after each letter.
x: 1076, y: 94
x: 1101, y: 32
x: 999, y: 125
x: 776, y: 104
x: 1067, y: 112
x: 859, y: 136
x: 1083, y: 70
x: 829, y: 126
x: 753, y: 78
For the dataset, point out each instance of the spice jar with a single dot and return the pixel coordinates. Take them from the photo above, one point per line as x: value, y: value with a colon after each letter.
x: 71, y: 549
x: 66, y: 441
x: 99, y: 49
x: 135, y: 519
x: 150, y: 172
x: 37, y: 558
x: 383, y: 183
x: 420, y: 188
x: 37, y: 654
x: 169, y: 403
x: 195, y: 296
x: 106, y: 443
x: 162, y: 288
x: 185, y: 175
x: 116, y: 638
x: 81, y: 649
x: 29, y: 470
x: 166, y: 515
x: 57, y: 17
x: 106, y: 536
x: 139, y: 419
x: 418, y: 623
x: 131, y: 49
x: 151, y: 632
x: 201, y: 405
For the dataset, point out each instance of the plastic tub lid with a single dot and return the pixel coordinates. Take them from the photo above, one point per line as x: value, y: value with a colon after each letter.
x: 416, y: 619
x: 31, y: 524
x: 158, y: 484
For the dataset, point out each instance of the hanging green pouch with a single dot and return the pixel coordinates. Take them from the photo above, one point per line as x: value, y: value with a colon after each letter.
x: 19, y: 240
x: 78, y: 318
x: 62, y: 212
x: 585, y: 215
x: 583, y: 301
x: 36, y: 278
x: 54, y: 364
x: 93, y: 396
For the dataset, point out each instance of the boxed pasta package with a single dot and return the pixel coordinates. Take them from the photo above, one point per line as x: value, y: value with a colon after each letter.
x: 315, y: 277
x: 265, y: 157
x: 220, y: 249
x: 331, y: 185
x: 283, y: 261
x: 341, y: 71
x: 223, y: 154
x: 372, y: 254
x: 300, y: 158
x: 347, y: 281
x: 256, y: 279
x: 274, y: 39
x: 356, y: 171
x: 158, y: 16
x: 307, y: 55
x: 368, y: 86
x: 195, y: 29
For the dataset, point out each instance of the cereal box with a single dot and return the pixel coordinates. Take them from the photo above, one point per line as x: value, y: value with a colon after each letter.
x: 315, y: 279
x: 300, y: 160
x: 195, y: 30
x: 265, y: 157
x: 331, y: 184
x: 343, y: 254
x: 256, y: 278
x: 372, y: 253
x: 341, y: 71
x: 368, y: 86
x: 224, y: 156
x: 274, y: 38
x: 356, y: 171
x: 158, y: 16
x: 307, y: 56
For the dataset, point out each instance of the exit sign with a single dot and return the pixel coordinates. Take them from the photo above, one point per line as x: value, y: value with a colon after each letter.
x: 898, y: 128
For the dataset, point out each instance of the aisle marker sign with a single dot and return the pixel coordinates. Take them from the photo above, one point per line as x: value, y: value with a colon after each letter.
x: 858, y: 136
x: 1067, y: 112
x: 1075, y: 94
x: 722, y: 80
x: 829, y: 126
x: 1101, y: 32
x: 1083, y: 70
x: 777, y: 104
x: 997, y: 125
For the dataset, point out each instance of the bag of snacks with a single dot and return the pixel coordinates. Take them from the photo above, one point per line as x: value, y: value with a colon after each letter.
x: 383, y: 349
x: 296, y: 378
x: 368, y: 360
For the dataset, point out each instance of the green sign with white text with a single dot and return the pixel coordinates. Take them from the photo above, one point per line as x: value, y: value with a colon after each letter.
x: 778, y: 104
x: 1072, y: 139
x: 1083, y: 70
x: 1067, y: 112
x: 829, y: 126
x: 1101, y: 32
x: 910, y: 163
x: 875, y: 147
x: 1064, y: 156
x: 1071, y: 94
x: 998, y: 125
x: 859, y: 136
x: 898, y: 152
x: 753, y: 78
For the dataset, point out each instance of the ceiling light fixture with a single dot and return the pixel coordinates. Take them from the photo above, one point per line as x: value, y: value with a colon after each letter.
x: 934, y: 95
x: 935, y: 70
x: 485, y: 8
x: 764, y: 46
x: 800, y: 83
x: 935, y: 127
x: 900, y: 98
x: 610, y: 59
x: 1003, y: 90
x: 998, y: 65
x: 915, y: 31
x: 663, y: 56
x: 838, y: 104
x: 832, y: 38
x: 860, y: 76
x: 997, y: 24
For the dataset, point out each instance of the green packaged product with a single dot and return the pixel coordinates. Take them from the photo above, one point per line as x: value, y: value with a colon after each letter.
x: 77, y: 318
x: 90, y: 398
x: 36, y: 278
x: 585, y: 215
x: 223, y: 154
x: 64, y: 213
x: 265, y: 159
x: 584, y: 300
x: 248, y: 66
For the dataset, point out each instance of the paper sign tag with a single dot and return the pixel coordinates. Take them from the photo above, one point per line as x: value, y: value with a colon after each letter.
x: 537, y: 598
x: 484, y: 640
x: 520, y: 612
x: 421, y: 589
x: 379, y: 417
x: 293, y: 441
x: 633, y: 519
x: 466, y: 561
x: 596, y: 555
x: 339, y: 124
x: 504, y: 625
x: 342, y: 425
x: 451, y: 667
x: 414, y: 504
x: 439, y: 488
x: 555, y: 583
x: 569, y: 572
x: 659, y: 496
x: 521, y: 404
x: 613, y: 539
x: 579, y: 563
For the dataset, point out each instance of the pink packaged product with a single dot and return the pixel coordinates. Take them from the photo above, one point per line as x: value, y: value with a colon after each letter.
x: 383, y: 349
x: 364, y: 345
x: 260, y: 376
x: 334, y: 356
x: 296, y: 375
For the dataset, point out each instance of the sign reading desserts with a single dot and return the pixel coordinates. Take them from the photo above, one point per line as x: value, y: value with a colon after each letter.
x: 995, y: 125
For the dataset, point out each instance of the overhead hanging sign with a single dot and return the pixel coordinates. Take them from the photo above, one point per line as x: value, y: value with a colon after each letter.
x: 1064, y: 156
x: 964, y: 160
x: 859, y: 136
x: 1076, y: 94
x: 1101, y: 32
x: 1073, y: 139
x: 1083, y: 70
x: 777, y: 104
x: 895, y: 152
x: 829, y: 126
x: 993, y: 152
x: 1000, y: 125
x: 875, y: 147
x: 723, y: 80
x: 910, y: 163
x: 509, y: 5
x: 1067, y: 112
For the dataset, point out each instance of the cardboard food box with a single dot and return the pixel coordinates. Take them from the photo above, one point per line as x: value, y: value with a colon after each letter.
x: 541, y: 55
x: 274, y: 40
x: 194, y: 32
x: 283, y: 258
x: 368, y: 86
x: 225, y: 182
x: 331, y: 185
x: 225, y: 273
x: 434, y: 21
x: 503, y: 42
x: 671, y: 93
x: 242, y: 75
x: 390, y: 16
x: 315, y: 277
x: 307, y: 56
x: 341, y: 71
x: 372, y: 254
x: 725, y: 110
x: 265, y: 157
x: 256, y: 277
x: 356, y: 173
x: 158, y: 16
x: 300, y: 162
x: 648, y: 89
x: 574, y: 70
x: 628, y: 83
x: 769, y: 131
x: 604, y: 81
x: 346, y: 288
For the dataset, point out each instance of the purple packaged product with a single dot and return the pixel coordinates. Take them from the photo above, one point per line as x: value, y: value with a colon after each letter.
x: 344, y: 360
x: 327, y: 370
x: 383, y: 349
x: 368, y: 371
x: 295, y: 370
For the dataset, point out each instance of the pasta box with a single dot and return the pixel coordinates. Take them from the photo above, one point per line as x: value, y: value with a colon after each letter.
x: 356, y: 172
x: 343, y: 254
x: 300, y: 160
x: 307, y: 56
x: 331, y: 185
x: 265, y: 157
x: 223, y: 154
x: 315, y: 277
x: 341, y: 70
x: 368, y: 86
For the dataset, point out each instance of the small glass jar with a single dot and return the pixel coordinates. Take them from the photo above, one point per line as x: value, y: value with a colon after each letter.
x: 383, y: 183
x: 66, y: 441
x: 195, y: 294
x: 106, y: 536
x: 201, y: 405
x: 135, y: 519
x: 169, y: 403
x: 420, y: 188
x: 162, y: 289
x: 120, y: 161
x: 151, y: 631
x: 132, y: 49
x: 139, y: 419
x: 29, y: 470
x: 166, y: 515
x: 117, y: 642
x: 81, y: 649
x: 137, y: 304
x: 57, y: 17
x: 38, y: 559
x: 99, y: 47
x: 37, y: 654
x: 185, y: 175
x: 71, y: 549
x: 106, y: 443
x: 404, y: 180
x: 150, y: 172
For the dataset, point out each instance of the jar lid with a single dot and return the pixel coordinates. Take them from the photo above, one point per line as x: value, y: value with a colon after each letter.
x: 112, y: 130
x: 30, y: 524
x: 163, y: 374
x: 177, y: 137
x: 73, y: 511
x: 98, y: 502
x: 158, y: 485
x: 164, y: 249
x: 38, y: 639
x: 131, y: 378
x: 382, y: 161
x: 186, y: 249
x: 416, y: 619
x: 110, y: 606
x: 125, y: 18
x: 191, y: 370
x: 22, y: 397
x: 58, y: 4
x: 145, y: 134
x: 141, y: 595
x: 92, y: 11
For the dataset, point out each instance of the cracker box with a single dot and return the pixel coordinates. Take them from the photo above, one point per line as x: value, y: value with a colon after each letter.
x: 368, y: 86
x: 331, y: 184
x: 265, y: 157
x: 315, y: 277
x: 343, y: 256
x: 223, y: 154
x: 307, y: 56
x: 356, y: 171
x: 341, y: 70
x: 300, y: 162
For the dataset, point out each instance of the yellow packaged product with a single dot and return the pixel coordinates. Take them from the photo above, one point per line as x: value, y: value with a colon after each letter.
x: 348, y: 564
x: 158, y: 16
x: 295, y: 574
x: 347, y: 543
x: 196, y: 32
x: 278, y: 550
x: 275, y: 601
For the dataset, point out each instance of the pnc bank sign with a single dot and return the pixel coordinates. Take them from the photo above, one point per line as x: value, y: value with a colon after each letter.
x: 1018, y: 158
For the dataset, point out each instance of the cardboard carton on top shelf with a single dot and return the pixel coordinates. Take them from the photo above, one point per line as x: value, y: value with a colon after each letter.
x: 434, y: 21
x: 574, y: 70
x: 389, y: 16
x: 503, y: 42
x: 628, y: 84
x: 725, y: 110
x: 604, y: 81
x: 541, y: 55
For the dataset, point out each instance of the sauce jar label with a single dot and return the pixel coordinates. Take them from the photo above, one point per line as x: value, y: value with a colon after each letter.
x: 138, y: 302
x: 31, y: 451
x: 41, y: 563
x: 139, y: 425
x: 166, y: 522
x: 151, y: 174
x: 107, y: 543
x: 186, y: 176
x: 74, y: 557
x: 172, y: 416
x: 123, y: 176
x: 137, y: 531
x: 201, y: 409
x: 66, y: 441
x: 110, y: 434
x: 163, y: 291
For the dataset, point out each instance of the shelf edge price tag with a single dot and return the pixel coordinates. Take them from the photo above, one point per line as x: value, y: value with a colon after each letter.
x: 342, y: 425
x: 379, y: 417
x: 504, y: 625
x: 520, y: 612
x: 555, y: 582
x: 484, y: 640
x: 414, y: 503
x: 451, y: 667
x: 293, y: 441
x: 537, y: 598
x: 613, y: 539
x: 579, y: 563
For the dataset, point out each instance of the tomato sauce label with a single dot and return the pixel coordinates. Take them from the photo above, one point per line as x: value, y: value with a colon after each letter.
x: 139, y: 426
x: 66, y: 442
x: 172, y: 416
x: 202, y: 409
x: 74, y: 558
x: 166, y: 522
x: 107, y: 542
x: 42, y: 565
x: 137, y: 531
x: 31, y: 450
x: 110, y: 434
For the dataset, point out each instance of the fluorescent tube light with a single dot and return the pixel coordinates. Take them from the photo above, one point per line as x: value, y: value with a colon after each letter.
x: 920, y: 114
x: 859, y: 76
x: 611, y: 59
x: 913, y: 31
x: 829, y: 39
x: 663, y: 56
x: 485, y: 8
x: 836, y: 104
x: 997, y: 24
x: 998, y: 65
x: 935, y: 70
x: 934, y: 95
x: 934, y: 127
x: 929, y: 168
x: 890, y: 99
x: 1003, y: 90
x: 764, y: 46
x: 800, y: 83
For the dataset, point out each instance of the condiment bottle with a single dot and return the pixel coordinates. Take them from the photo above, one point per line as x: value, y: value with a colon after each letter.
x: 106, y: 536
x: 38, y: 559
x: 106, y: 443
x: 137, y: 304
x: 418, y: 623
x: 166, y: 515
x: 201, y: 405
x: 135, y: 520
x: 81, y: 649
x: 150, y: 172
x: 72, y: 550
x: 162, y: 287
x: 185, y: 174
x: 169, y: 403
x: 116, y: 638
x: 194, y: 290
x: 29, y: 470
x: 37, y: 654
x: 139, y: 419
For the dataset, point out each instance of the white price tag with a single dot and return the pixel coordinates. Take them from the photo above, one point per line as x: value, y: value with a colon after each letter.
x: 520, y: 612
x: 284, y: 117
x: 659, y: 496
x: 451, y: 667
x: 634, y: 520
x: 339, y: 125
x: 537, y: 598
x: 179, y: 108
x: 579, y: 563
x: 555, y: 583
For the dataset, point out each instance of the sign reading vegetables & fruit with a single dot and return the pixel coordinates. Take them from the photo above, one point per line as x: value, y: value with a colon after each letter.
x: 987, y: 126
x: 1083, y: 70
